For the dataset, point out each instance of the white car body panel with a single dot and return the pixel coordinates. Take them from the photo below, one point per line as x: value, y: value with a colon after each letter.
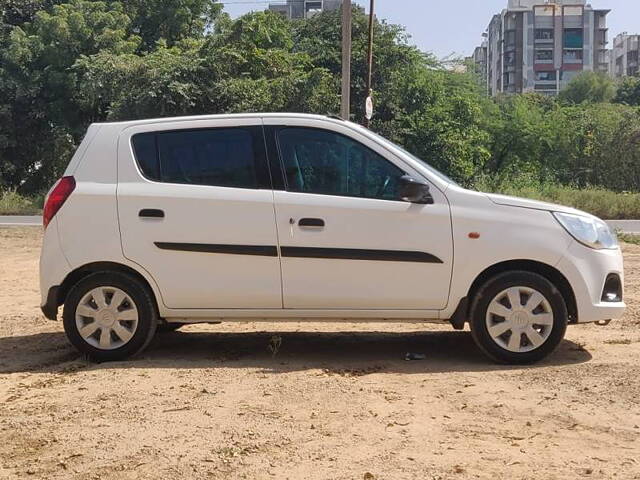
x: 54, y: 266
x: 99, y: 223
x: 357, y: 223
x: 506, y: 234
x: 198, y: 214
x: 370, y: 224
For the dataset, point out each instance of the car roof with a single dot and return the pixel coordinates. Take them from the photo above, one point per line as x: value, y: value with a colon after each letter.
x: 129, y: 123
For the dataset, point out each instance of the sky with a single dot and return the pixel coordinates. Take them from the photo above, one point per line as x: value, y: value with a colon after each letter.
x: 454, y: 27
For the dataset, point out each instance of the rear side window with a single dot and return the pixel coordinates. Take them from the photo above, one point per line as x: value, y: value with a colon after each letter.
x: 217, y: 157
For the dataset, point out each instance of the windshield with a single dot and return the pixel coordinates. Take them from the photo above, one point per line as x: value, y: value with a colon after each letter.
x: 437, y: 173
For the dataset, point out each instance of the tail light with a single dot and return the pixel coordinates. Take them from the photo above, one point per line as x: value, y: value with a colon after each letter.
x: 56, y: 198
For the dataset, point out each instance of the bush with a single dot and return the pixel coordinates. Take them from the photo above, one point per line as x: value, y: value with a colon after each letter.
x: 12, y: 203
x: 600, y: 202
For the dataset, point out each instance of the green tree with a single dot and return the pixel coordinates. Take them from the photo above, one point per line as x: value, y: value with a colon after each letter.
x: 629, y: 91
x: 65, y: 64
x: 42, y: 123
x: 434, y: 112
x: 127, y: 86
x: 521, y: 139
x: 589, y: 87
x: 15, y: 13
x: 170, y: 20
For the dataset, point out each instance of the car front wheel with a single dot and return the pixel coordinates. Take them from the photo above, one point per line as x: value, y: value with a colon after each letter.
x: 109, y: 316
x: 518, y: 317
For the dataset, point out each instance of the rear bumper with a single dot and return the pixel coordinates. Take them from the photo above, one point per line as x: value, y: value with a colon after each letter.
x: 50, y: 307
x: 54, y: 268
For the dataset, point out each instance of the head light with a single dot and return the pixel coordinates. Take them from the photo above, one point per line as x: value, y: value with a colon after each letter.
x: 589, y: 231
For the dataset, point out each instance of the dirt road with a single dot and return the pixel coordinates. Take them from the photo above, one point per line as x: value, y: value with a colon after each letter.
x: 336, y: 402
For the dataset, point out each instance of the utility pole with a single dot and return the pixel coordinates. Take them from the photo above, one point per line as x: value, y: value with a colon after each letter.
x: 367, y: 120
x: 346, y: 59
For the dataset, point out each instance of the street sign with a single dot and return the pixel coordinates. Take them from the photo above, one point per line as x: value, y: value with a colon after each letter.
x: 368, y: 108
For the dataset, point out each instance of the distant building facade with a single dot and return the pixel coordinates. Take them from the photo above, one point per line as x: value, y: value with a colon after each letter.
x: 479, y: 60
x: 540, y: 45
x: 304, y: 8
x: 624, y: 56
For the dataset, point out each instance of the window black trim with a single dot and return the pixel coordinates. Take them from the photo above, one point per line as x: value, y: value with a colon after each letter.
x: 256, y: 250
x: 359, y: 254
x: 273, y: 157
x: 260, y: 158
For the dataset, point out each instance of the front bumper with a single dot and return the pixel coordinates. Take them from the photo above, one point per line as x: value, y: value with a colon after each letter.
x: 586, y: 270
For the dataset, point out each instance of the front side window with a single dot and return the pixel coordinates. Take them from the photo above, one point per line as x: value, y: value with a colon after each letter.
x: 216, y: 157
x: 324, y: 162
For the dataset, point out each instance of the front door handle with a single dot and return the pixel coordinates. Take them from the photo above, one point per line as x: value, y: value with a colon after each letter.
x: 151, y: 213
x: 311, y: 222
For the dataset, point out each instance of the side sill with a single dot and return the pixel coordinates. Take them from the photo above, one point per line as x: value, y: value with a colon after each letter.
x: 278, y: 314
x: 232, y: 319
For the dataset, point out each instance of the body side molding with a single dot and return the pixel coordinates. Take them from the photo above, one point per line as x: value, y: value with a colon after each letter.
x: 257, y: 250
x: 304, y: 252
x: 359, y: 254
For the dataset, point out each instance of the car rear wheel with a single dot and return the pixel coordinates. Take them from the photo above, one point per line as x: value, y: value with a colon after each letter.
x: 518, y: 317
x: 110, y: 316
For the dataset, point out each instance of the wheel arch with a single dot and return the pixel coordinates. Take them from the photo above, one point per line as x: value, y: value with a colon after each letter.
x: 85, y: 270
x: 547, y: 271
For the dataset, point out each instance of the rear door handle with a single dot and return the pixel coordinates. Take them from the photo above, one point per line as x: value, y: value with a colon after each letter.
x: 151, y: 213
x: 311, y: 222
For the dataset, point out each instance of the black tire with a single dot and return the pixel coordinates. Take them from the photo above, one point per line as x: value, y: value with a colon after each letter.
x: 169, y: 327
x: 494, y: 287
x: 139, y: 293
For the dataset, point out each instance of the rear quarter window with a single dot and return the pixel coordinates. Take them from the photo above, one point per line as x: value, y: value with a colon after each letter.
x: 214, y: 157
x: 144, y: 147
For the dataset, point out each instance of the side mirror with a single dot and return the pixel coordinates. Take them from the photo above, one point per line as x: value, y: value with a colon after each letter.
x: 415, y: 191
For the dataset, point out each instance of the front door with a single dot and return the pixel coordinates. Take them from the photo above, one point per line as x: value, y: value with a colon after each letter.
x: 196, y: 211
x: 347, y: 241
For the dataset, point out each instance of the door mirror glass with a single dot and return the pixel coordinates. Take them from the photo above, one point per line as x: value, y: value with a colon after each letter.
x: 415, y: 191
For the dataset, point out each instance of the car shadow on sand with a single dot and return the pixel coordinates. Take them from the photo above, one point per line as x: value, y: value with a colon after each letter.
x: 340, y: 352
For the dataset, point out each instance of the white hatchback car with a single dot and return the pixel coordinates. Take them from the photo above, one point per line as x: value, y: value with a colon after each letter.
x: 163, y: 222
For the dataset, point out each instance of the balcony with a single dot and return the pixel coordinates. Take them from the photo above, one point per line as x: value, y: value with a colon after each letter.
x: 543, y: 57
x: 545, y: 86
x: 572, y: 56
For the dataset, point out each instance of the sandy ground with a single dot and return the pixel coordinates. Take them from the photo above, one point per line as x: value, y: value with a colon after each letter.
x: 336, y: 402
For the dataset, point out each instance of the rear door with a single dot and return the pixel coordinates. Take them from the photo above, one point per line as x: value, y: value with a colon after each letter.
x: 347, y: 241
x: 196, y: 211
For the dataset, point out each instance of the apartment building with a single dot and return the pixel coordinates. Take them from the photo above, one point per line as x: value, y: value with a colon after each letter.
x: 624, y: 56
x: 304, y: 8
x: 540, y: 45
x: 479, y: 60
